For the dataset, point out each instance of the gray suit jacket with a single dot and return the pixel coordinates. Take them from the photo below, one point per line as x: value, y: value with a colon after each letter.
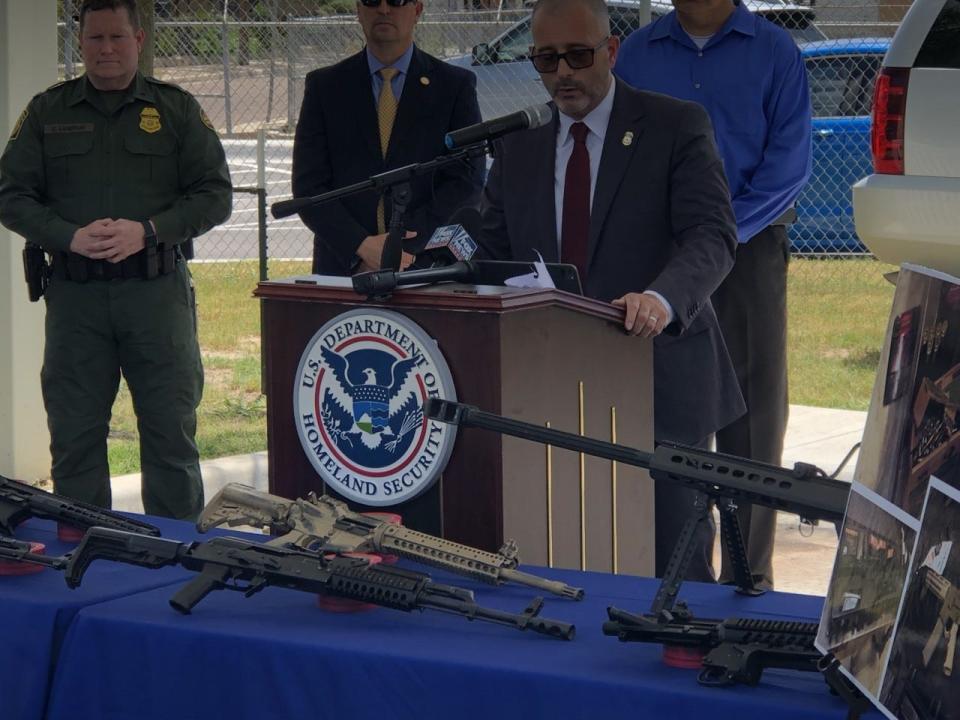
x: 661, y: 220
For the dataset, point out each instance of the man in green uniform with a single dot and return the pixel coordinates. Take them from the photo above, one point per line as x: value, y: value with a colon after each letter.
x: 113, y: 174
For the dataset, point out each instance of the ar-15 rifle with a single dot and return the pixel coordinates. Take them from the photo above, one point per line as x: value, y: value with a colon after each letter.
x: 736, y: 650
x: 948, y: 619
x: 19, y: 501
x: 324, y: 524
x: 226, y: 563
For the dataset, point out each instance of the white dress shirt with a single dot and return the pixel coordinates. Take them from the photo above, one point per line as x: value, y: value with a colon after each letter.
x: 596, y: 121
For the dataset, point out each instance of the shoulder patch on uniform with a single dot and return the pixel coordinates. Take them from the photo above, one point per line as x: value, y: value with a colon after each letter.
x: 19, y: 124
x: 206, y: 120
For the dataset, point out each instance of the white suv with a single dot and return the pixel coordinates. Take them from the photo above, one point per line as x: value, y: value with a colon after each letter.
x: 909, y: 209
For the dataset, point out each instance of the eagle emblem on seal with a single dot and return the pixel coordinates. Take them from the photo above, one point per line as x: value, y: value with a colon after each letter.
x: 371, y: 400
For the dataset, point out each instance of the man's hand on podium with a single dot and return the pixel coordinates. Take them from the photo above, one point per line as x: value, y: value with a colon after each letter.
x: 644, y: 314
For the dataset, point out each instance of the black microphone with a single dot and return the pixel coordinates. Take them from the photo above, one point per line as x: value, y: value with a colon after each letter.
x: 452, y: 242
x: 474, y: 272
x: 532, y: 117
x: 378, y: 282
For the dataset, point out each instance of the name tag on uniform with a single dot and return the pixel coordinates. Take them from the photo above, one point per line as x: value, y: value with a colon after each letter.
x: 65, y: 128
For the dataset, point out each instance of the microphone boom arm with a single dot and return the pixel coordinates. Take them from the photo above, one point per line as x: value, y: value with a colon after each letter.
x: 381, y: 181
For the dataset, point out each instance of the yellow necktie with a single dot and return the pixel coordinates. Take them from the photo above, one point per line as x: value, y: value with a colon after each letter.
x: 386, y: 112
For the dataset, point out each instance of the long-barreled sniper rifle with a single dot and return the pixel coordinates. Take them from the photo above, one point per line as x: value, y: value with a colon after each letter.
x: 804, y: 489
x: 324, y: 524
x: 738, y: 649
x: 226, y: 563
x: 19, y: 501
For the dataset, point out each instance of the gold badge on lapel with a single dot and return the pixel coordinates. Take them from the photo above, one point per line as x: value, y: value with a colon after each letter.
x: 424, y: 80
x: 150, y: 120
x: 627, y: 138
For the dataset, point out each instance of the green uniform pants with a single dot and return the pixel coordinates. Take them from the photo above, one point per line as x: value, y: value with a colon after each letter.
x: 145, y: 329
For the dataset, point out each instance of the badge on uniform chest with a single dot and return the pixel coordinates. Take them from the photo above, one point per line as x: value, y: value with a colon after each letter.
x: 150, y: 120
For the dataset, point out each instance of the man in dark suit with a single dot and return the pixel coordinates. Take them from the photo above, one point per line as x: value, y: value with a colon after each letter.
x: 628, y: 186
x: 388, y: 106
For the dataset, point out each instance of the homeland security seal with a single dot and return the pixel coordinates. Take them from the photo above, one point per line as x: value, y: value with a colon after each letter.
x: 358, y: 402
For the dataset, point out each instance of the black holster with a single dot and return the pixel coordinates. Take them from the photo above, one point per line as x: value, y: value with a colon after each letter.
x: 36, y: 271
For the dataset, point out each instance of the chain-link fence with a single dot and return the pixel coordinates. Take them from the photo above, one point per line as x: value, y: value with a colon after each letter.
x: 245, y: 60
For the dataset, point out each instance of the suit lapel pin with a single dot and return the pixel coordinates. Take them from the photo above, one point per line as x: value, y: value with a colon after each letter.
x: 627, y: 138
x: 424, y: 80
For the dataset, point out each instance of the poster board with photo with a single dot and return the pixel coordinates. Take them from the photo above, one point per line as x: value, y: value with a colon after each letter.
x: 896, y: 573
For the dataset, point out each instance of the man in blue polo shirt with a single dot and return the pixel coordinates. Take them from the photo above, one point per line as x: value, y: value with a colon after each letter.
x: 749, y: 76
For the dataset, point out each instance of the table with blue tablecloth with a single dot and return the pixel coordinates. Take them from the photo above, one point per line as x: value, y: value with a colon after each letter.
x: 278, y: 655
x: 36, y: 611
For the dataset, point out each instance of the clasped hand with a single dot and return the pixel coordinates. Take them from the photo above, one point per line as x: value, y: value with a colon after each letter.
x: 107, y: 239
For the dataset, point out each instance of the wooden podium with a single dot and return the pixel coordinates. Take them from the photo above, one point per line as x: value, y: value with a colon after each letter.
x: 542, y: 356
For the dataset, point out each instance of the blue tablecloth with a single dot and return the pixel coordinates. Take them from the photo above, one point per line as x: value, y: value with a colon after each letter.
x: 277, y: 655
x: 36, y: 610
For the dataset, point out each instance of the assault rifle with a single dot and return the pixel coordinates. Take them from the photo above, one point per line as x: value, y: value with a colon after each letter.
x: 19, y: 551
x: 226, y: 563
x: 736, y: 650
x: 324, y: 524
x: 19, y: 501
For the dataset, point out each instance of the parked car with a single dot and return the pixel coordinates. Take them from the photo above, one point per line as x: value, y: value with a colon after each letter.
x: 506, y: 80
x: 908, y: 209
x: 841, y: 75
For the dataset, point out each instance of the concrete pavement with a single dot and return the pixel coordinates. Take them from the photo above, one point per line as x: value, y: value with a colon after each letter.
x: 803, y: 557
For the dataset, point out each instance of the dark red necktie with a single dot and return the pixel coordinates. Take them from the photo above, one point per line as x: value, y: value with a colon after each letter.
x: 575, y: 227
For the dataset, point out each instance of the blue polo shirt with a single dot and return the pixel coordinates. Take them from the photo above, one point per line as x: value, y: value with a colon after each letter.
x: 751, y: 80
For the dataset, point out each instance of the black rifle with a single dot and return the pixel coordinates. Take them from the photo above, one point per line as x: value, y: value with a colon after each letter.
x: 736, y: 650
x: 227, y: 563
x: 19, y: 551
x: 804, y: 490
x: 19, y: 501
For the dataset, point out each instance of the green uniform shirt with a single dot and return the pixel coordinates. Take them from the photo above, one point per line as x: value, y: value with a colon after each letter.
x: 77, y: 155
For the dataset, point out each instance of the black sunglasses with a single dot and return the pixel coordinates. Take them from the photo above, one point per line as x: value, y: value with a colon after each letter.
x: 577, y: 59
x: 391, y: 3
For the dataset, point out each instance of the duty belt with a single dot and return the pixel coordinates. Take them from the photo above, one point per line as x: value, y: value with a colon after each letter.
x: 145, y: 265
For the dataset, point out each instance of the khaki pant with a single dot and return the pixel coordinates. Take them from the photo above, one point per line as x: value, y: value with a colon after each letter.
x: 145, y: 329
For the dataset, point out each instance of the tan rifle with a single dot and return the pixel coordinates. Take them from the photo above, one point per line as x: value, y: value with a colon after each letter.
x: 324, y: 524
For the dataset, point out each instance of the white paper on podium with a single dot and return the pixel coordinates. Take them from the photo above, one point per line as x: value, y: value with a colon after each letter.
x: 539, y: 278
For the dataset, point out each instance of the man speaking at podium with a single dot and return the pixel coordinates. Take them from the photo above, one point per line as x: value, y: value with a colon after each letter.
x: 629, y: 187
x: 388, y: 106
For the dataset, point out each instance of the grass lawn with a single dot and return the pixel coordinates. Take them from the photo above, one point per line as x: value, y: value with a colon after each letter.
x: 838, y: 311
x: 838, y: 314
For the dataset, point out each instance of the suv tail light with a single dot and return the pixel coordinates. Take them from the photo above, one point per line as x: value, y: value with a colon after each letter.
x: 886, y: 133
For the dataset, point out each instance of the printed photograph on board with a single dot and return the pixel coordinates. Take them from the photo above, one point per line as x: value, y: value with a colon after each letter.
x: 922, y: 678
x: 913, y: 426
x: 873, y: 557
